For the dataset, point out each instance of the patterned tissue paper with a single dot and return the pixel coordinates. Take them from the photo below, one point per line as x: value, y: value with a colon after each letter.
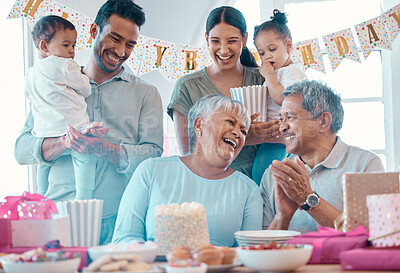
x: 384, y: 219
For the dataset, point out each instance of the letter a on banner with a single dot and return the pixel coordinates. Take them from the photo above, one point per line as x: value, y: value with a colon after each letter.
x: 309, y: 54
x: 340, y: 45
x: 371, y: 34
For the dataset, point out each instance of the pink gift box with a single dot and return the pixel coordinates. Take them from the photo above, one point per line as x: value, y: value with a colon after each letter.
x: 371, y: 259
x: 27, y: 207
x: 384, y: 219
x: 328, y: 243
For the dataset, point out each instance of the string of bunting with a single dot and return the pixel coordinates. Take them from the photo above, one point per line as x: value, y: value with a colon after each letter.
x: 174, y: 60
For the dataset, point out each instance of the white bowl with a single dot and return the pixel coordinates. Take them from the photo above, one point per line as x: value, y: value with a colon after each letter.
x: 190, y: 269
x: 64, y: 266
x: 147, y: 253
x: 275, y: 260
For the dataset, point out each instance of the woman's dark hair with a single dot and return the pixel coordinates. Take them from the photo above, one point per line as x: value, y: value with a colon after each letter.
x: 124, y: 8
x: 47, y: 26
x: 278, y: 23
x: 235, y: 18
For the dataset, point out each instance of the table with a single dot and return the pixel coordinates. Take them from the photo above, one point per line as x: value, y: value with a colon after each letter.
x: 318, y: 268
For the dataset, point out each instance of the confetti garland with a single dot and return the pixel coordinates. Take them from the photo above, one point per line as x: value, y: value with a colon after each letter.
x: 175, y: 60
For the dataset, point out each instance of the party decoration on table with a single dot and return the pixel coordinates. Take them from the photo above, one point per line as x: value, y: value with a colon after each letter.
x: 85, y: 221
x: 328, y: 243
x: 340, y: 45
x: 27, y: 207
x: 254, y: 98
x: 356, y: 187
x: 180, y: 225
x: 174, y: 60
x: 384, y: 219
x: 371, y: 259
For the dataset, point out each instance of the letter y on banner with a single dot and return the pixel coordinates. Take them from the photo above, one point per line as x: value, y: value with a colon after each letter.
x: 392, y: 20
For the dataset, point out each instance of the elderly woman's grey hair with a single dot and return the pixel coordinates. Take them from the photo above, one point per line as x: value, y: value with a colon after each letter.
x: 319, y: 98
x: 210, y: 105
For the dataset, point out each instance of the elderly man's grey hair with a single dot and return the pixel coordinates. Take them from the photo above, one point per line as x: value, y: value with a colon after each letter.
x: 318, y: 98
x: 210, y: 105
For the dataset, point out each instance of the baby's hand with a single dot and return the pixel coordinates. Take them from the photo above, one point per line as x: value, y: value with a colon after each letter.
x: 266, y: 69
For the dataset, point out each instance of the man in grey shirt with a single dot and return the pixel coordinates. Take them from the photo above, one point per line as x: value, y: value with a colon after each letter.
x: 304, y: 191
x: 125, y: 107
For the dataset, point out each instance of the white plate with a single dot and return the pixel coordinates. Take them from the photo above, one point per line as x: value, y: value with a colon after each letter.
x: 266, y: 234
x: 147, y: 253
x: 153, y: 269
x: 223, y: 267
x: 64, y: 266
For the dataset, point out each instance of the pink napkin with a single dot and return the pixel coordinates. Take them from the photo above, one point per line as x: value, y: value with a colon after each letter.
x: 328, y: 243
x: 371, y: 259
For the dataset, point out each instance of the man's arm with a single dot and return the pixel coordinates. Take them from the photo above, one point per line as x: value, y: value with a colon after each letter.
x: 33, y: 150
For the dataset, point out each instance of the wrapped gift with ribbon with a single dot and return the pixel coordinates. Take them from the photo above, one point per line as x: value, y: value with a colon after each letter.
x: 27, y: 207
x: 384, y: 219
x: 371, y: 258
x: 328, y: 243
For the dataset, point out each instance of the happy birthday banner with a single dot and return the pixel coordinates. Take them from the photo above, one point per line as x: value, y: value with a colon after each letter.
x: 174, y: 60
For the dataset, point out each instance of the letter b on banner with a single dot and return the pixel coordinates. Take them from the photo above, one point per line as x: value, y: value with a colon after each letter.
x: 190, y: 60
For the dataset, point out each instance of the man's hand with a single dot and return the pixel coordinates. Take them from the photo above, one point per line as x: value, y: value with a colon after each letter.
x: 88, y: 139
x: 293, y: 178
x: 261, y: 132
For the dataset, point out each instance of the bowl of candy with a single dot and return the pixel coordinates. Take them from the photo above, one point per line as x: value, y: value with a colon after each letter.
x: 272, y: 257
x: 40, y: 261
x: 147, y: 251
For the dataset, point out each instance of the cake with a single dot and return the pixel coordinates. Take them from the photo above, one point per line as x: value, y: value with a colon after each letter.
x: 180, y: 226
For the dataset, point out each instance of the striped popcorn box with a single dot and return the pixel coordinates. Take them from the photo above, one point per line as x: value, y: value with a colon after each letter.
x: 85, y: 220
x: 254, y: 98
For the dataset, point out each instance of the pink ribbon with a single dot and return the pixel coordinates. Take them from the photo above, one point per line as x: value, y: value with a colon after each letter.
x: 12, y: 202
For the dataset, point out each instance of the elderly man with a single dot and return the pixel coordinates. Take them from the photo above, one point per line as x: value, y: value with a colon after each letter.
x: 304, y: 191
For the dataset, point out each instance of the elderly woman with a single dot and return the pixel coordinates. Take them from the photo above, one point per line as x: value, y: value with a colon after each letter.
x: 232, y: 201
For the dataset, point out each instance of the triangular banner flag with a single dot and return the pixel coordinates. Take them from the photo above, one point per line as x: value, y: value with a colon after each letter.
x: 340, y: 45
x: 309, y: 54
x: 371, y: 34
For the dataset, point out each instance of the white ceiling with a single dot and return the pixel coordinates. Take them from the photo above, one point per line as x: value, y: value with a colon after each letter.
x: 177, y: 21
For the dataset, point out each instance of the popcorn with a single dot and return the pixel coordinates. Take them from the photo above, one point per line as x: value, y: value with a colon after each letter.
x: 180, y: 225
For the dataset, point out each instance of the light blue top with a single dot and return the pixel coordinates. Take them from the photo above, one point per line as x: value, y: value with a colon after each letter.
x: 190, y: 88
x: 325, y: 179
x: 231, y: 204
x: 132, y: 110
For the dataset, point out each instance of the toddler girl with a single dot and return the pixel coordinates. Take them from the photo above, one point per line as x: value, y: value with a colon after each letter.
x: 274, y: 45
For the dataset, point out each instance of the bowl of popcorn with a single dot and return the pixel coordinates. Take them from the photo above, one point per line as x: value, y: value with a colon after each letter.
x: 40, y: 261
x: 146, y: 251
x: 274, y: 257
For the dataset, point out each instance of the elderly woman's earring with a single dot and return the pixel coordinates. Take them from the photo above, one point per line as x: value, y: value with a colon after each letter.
x: 198, y: 134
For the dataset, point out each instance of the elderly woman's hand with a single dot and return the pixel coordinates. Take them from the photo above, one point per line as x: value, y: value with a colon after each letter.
x: 261, y: 132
